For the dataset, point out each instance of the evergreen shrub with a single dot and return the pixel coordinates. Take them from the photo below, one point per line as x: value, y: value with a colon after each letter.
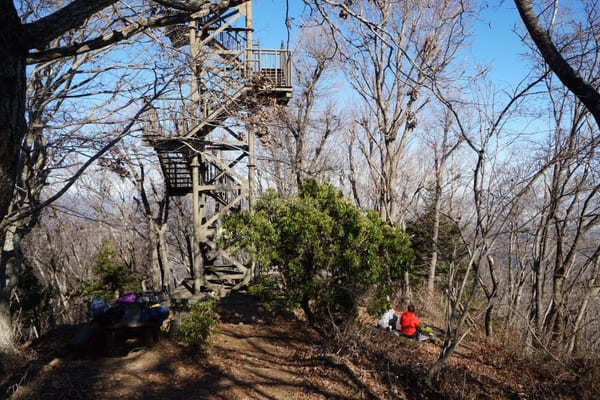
x: 319, y: 251
x: 111, y: 276
x: 198, y: 327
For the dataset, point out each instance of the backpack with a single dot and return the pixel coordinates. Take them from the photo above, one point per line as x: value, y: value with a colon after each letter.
x: 149, y: 298
x: 96, y: 307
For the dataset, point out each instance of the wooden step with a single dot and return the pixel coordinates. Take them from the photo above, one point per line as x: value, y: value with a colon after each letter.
x: 222, y: 269
x: 226, y: 278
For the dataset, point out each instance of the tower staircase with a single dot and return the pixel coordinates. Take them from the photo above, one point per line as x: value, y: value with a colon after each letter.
x: 213, y: 159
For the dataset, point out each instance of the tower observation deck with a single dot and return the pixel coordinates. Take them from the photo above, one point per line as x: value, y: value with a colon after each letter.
x: 212, y: 156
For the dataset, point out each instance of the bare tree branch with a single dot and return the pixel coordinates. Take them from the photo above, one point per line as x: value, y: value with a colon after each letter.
x: 41, y: 32
x: 107, y: 39
x: 567, y: 75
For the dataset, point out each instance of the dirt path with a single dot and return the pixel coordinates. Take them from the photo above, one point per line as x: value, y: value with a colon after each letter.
x: 255, y: 355
x: 259, y: 355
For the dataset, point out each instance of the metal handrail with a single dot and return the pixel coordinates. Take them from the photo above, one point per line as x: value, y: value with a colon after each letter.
x: 273, y: 65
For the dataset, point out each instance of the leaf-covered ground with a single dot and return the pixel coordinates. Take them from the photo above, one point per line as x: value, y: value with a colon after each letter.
x: 261, y: 355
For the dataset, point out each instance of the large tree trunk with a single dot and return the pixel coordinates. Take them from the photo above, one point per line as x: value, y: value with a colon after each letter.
x: 10, y: 263
x: 159, y: 260
x: 12, y: 131
x: 12, y: 100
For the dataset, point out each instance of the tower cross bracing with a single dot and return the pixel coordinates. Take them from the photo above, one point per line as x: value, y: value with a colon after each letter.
x: 213, y: 159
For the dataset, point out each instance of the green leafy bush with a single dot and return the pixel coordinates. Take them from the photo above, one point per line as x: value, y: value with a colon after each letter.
x: 198, y: 327
x: 265, y: 289
x: 111, y: 275
x: 324, y: 251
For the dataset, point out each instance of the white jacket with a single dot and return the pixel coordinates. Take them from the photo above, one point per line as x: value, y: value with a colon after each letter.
x: 384, y: 321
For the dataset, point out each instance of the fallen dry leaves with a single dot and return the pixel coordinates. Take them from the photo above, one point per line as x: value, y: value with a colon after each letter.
x: 260, y: 355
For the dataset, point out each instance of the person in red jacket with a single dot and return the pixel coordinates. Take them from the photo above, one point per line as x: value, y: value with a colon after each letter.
x: 409, y: 322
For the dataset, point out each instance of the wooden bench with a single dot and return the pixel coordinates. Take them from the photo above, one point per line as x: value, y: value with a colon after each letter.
x: 148, y: 332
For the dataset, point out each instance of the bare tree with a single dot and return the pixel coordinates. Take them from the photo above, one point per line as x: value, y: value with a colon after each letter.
x: 54, y: 36
x: 393, y: 51
x: 301, y: 134
x: 561, y: 251
x: 151, y: 201
x: 101, y: 211
x: 494, y: 199
x: 38, y: 39
x: 443, y: 147
x: 561, y: 229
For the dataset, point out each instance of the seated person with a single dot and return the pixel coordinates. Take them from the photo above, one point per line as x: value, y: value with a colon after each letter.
x: 409, y: 323
x: 388, y: 320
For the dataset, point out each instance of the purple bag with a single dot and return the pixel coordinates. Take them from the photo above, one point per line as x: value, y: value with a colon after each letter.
x: 126, y: 299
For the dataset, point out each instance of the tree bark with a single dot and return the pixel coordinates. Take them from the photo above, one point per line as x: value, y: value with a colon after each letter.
x: 580, y: 88
x: 154, y: 248
x: 163, y: 259
x: 435, y: 235
x: 10, y: 262
x: 12, y: 100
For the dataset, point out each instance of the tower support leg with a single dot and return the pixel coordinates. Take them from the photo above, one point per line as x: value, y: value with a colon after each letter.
x: 197, y: 262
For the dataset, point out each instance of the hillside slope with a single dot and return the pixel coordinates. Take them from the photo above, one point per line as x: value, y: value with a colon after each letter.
x: 260, y: 355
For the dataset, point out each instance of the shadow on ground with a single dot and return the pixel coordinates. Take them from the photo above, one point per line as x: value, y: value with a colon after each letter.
x: 256, y: 355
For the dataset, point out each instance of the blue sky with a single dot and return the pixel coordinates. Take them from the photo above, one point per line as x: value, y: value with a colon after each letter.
x: 269, y: 20
x: 493, y: 42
